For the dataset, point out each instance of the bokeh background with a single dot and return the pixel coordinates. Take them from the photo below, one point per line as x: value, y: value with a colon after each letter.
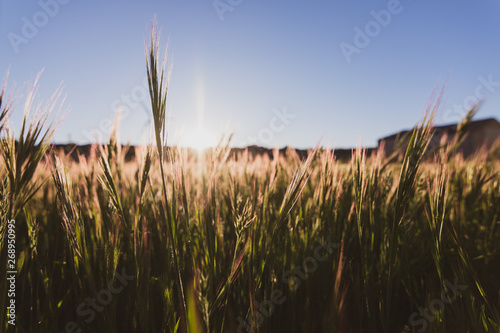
x: 276, y: 73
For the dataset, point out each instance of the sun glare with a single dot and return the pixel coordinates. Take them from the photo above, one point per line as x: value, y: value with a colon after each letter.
x: 199, y: 139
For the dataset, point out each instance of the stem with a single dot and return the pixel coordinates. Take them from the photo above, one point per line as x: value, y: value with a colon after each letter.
x: 173, y: 250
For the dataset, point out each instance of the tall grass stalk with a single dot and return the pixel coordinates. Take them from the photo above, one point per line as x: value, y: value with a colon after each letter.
x: 158, y: 88
x: 415, y: 153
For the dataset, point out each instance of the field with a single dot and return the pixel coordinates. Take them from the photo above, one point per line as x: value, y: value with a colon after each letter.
x: 175, y: 241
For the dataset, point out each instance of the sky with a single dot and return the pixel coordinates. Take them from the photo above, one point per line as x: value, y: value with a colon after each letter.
x: 275, y: 73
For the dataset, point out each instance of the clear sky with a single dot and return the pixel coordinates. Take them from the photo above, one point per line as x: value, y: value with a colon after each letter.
x: 274, y: 72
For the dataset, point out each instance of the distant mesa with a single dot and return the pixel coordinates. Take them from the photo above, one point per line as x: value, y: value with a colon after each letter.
x: 480, y: 133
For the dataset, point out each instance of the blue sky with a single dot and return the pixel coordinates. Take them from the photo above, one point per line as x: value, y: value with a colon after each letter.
x: 274, y: 72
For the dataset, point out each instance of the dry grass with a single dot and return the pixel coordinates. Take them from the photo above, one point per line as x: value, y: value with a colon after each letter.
x: 207, y: 245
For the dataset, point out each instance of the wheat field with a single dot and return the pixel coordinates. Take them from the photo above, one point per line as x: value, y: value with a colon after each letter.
x: 174, y: 241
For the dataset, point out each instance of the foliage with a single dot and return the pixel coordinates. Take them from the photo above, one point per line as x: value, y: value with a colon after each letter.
x: 210, y: 239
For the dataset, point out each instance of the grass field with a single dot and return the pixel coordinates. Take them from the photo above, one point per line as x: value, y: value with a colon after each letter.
x: 179, y: 242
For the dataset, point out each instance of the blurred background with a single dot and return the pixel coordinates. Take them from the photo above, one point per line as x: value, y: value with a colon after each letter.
x: 276, y: 73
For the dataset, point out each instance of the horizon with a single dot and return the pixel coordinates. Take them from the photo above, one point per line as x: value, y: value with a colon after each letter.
x: 376, y: 146
x: 345, y: 76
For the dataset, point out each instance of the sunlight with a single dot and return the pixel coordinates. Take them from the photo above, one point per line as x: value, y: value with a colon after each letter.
x: 199, y: 139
